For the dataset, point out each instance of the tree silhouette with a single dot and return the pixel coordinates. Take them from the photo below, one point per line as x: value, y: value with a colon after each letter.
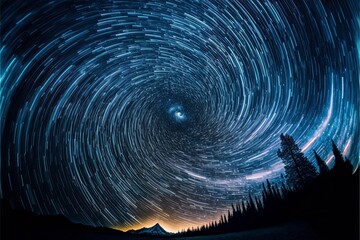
x: 339, y: 160
x: 341, y: 165
x: 328, y: 202
x: 323, y: 168
x: 299, y: 170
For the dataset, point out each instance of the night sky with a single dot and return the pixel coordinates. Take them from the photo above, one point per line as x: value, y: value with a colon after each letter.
x: 127, y: 113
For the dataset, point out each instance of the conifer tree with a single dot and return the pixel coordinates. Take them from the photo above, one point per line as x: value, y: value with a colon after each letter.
x: 339, y: 160
x: 233, y: 209
x: 299, y: 170
x: 251, y: 204
x: 323, y: 168
x: 341, y: 166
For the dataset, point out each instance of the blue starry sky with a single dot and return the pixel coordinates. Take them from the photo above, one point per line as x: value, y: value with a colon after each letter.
x: 128, y: 113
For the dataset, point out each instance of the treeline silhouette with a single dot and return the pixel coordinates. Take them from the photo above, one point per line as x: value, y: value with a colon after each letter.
x: 329, y: 202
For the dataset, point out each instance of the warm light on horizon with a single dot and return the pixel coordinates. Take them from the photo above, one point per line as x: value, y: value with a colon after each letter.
x: 168, y: 226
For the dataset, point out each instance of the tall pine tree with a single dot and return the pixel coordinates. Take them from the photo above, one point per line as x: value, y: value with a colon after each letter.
x: 339, y: 160
x: 299, y: 170
x: 323, y: 168
x: 341, y: 166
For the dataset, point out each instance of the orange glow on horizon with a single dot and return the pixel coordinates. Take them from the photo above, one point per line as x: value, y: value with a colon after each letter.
x: 167, y: 225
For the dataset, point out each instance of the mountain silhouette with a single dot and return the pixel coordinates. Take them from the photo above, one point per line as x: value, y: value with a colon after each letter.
x: 155, y: 230
x: 21, y: 224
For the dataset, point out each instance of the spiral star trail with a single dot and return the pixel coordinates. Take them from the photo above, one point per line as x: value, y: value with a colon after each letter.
x: 123, y: 113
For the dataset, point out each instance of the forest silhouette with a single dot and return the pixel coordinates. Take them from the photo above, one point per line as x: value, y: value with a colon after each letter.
x: 327, y: 199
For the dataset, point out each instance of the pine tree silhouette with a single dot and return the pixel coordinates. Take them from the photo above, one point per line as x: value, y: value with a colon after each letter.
x: 339, y: 160
x: 299, y: 170
x: 343, y: 167
x: 292, y: 202
x: 323, y: 168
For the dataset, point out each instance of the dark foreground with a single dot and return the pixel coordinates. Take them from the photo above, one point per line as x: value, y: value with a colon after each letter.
x: 290, y: 231
x: 18, y: 224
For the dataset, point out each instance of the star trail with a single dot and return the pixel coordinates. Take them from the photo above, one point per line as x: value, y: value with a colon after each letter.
x: 126, y: 113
